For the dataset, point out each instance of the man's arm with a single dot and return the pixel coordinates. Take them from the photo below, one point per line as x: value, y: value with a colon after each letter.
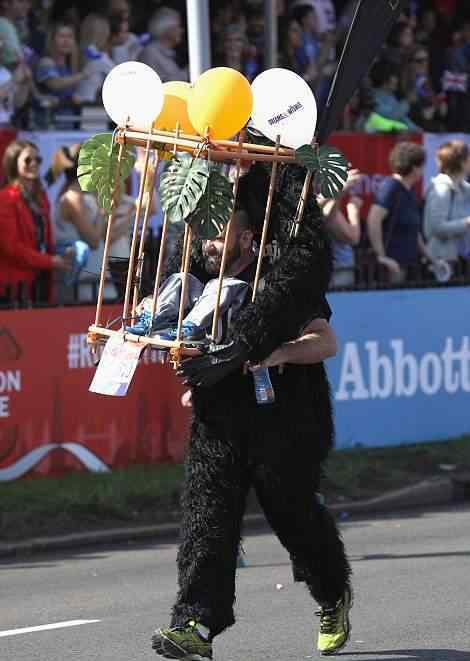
x: 315, y: 344
x: 297, y: 282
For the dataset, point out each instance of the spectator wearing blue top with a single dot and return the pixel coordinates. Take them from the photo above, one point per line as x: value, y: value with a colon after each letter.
x: 343, y: 222
x: 394, y: 220
x: 386, y: 80
x: 306, y: 17
x: 58, y: 75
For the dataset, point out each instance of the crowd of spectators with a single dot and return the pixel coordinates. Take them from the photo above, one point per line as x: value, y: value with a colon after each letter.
x: 55, y: 55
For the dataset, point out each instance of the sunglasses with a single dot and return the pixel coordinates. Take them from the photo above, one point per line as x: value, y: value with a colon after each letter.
x: 420, y: 60
x: 29, y: 160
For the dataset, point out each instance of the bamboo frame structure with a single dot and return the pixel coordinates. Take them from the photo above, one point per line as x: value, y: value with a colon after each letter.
x: 267, y: 218
x: 135, y: 233
x: 227, y: 234
x: 107, y: 242
x: 202, y: 147
x: 140, y: 258
x: 161, y: 255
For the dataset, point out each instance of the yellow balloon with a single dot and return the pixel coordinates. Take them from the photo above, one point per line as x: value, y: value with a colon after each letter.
x: 221, y: 102
x: 175, y: 109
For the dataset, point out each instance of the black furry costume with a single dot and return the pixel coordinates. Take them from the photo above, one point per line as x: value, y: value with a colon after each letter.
x: 278, y: 449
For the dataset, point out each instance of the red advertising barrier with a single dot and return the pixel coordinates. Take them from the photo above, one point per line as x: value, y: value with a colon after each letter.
x: 369, y: 153
x: 50, y: 424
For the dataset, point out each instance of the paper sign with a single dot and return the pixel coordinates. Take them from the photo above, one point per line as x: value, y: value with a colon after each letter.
x: 116, y: 368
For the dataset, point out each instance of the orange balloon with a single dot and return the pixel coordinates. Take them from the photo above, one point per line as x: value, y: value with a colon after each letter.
x: 221, y: 102
x: 175, y: 109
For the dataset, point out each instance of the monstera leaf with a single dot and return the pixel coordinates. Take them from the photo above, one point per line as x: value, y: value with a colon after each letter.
x: 215, y: 207
x: 182, y: 185
x: 98, y: 167
x: 328, y: 164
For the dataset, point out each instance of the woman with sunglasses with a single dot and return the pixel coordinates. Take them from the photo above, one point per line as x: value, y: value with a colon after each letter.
x: 26, y: 259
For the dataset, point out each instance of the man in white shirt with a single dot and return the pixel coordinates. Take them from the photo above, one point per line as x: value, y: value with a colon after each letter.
x: 167, y: 32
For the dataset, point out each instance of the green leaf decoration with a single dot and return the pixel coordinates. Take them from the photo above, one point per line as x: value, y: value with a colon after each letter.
x: 182, y: 185
x: 98, y: 167
x: 214, y: 209
x: 329, y: 165
x: 85, y: 170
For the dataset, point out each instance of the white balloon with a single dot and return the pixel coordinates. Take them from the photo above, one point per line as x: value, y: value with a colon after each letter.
x: 133, y: 95
x: 284, y: 105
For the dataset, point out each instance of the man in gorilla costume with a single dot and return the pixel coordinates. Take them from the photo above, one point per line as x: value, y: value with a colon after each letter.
x: 277, y: 449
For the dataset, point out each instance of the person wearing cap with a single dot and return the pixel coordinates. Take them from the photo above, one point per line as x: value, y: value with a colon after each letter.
x: 166, y: 31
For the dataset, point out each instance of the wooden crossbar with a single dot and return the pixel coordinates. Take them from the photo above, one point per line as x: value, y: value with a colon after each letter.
x: 224, y: 150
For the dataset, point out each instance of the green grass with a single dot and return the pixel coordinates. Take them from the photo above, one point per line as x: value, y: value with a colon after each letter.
x: 83, y: 501
x: 365, y: 473
x: 150, y: 494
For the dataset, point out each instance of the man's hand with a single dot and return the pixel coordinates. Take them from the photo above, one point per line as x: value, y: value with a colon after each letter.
x: 187, y: 399
x: 276, y: 359
x: 354, y: 177
x: 64, y: 263
x: 218, y: 362
x: 390, y: 264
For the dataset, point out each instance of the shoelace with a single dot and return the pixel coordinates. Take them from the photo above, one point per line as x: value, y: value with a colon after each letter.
x: 191, y: 624
x: 328, y: 620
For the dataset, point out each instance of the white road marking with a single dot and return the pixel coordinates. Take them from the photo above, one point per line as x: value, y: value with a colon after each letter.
x: 46, y: 627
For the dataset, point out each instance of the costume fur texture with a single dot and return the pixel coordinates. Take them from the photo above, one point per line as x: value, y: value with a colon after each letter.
x: 276, y: 449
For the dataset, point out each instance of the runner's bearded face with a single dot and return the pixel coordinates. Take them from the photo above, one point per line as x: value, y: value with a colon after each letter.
x: 212, y: 253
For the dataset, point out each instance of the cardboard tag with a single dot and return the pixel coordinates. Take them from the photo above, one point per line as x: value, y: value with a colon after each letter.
x: 116, y: 368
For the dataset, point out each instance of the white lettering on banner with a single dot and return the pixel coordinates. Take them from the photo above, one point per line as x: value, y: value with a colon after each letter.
x: 351, y: 374
x: 78, y: 352
x: 10, y: 381
x: 79, y: 355
x: 368, y: 184
x: 406, y: 374
x: 401, y: 374
x: 4, y: 407
x: 380, y: 372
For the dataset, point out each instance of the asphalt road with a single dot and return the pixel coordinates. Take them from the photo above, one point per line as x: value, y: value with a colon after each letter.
x: 412, y: 598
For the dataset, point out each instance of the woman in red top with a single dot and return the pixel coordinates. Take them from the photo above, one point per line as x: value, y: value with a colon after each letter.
x: 26, y: 260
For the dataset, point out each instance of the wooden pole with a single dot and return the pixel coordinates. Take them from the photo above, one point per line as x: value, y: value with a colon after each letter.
x: 188, y: 233
x: 215, y: 318
x: 303, y: 199
x: 135, y: 232
x: 161, y: 254
x: 107, y: 242
x: 267, y: 217
x: 302, y: 203
x: 140, y: 259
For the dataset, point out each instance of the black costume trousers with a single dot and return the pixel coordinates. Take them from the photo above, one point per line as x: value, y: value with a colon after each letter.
x: 228, y: 454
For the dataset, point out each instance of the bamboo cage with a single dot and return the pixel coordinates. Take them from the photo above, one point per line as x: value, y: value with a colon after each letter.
x: 155, y: 142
